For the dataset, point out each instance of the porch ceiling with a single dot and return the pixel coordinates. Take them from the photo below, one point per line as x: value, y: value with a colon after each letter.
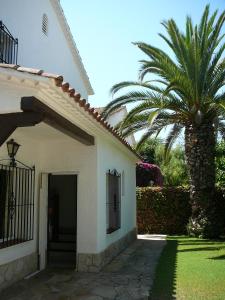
x: 35, y: 112
x: 43, y: 133
x: 55, y: 120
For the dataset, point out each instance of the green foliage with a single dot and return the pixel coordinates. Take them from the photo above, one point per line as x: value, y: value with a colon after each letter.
x: 148, y: 150
x: 187, y: 87
x: 167, y: 210
x: 163, y: 210
x: 186, y: 92
x: 210, y: 222
x: 220, y: 164
x: 172, y: 166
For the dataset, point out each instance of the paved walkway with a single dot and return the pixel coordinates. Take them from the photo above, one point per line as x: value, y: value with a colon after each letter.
x: 127, y: 277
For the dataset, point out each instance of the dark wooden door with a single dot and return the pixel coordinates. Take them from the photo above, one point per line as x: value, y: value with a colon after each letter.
x: 62, y: 219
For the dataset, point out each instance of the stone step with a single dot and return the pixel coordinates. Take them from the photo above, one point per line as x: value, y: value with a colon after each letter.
x: 67, y: 237
x: 62, y: 257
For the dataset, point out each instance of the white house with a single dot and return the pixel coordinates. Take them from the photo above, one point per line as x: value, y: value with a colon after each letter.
x: 68, y: 194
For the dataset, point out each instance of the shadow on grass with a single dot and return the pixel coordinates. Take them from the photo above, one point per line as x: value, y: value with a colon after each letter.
x: 196, y: 243
x: 221, y: 257
x: 164, y: 285
x: 202, y: 249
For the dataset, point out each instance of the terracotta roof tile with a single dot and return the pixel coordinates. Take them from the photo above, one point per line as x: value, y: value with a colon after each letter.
x: 77, y: 98
x: 65, y: 86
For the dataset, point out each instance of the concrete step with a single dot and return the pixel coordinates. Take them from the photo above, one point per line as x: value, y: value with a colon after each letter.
x: 67, y: 237
x: 62, y: 257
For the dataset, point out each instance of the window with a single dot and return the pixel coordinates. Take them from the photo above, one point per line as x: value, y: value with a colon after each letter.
x: 113, y: 204
x: 45, y: 24
x: 16, y: 205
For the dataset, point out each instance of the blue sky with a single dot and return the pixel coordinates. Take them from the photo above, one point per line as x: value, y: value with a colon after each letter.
x: 105, y: 29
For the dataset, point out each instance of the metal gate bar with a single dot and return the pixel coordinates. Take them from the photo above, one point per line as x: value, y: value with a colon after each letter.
x: 16, y: 205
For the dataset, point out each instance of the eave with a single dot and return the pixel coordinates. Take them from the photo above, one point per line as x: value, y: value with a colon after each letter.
x: 55, y: 83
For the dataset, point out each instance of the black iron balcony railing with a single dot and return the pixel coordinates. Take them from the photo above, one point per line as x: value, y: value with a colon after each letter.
x: 8, y: 46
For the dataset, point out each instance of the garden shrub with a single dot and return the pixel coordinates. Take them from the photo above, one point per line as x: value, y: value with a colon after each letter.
x: 145, y: 173
x: 167, y: 210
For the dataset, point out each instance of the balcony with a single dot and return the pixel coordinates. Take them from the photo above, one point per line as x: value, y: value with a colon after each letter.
x: 8, y: 46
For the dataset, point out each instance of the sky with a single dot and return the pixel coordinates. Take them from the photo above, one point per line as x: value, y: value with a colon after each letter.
x: 105, y: 29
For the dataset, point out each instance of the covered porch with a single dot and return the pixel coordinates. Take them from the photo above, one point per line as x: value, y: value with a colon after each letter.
x: 61, y: 135
x: 48, y: 193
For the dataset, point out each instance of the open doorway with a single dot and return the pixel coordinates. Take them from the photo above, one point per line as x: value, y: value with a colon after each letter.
x: 62, y: 220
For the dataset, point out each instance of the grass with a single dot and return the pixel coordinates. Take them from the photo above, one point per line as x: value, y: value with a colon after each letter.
x: 190, y: 269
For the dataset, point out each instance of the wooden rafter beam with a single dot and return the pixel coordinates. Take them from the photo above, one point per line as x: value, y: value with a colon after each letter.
x: 10, y: 121
x: 34, y: 112
x: 55, y: 120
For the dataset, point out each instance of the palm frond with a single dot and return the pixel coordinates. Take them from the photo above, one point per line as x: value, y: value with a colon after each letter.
x: 127, y: 84
x: 172, y: 136
x: 185, y: 85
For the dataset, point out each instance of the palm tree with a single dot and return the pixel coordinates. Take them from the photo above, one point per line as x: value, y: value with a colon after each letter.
x: 186, y: 94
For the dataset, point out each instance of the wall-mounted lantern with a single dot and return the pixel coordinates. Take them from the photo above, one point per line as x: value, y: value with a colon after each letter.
x: 12, y: 148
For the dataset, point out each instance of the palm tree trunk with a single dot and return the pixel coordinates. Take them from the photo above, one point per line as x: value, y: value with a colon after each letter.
x: 200, y: 155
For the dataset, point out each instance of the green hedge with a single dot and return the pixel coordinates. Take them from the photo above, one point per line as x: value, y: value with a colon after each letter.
x: 163, y: 210
x: 167, y: 210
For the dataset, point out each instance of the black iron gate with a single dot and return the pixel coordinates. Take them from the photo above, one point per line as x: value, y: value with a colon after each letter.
x: 16, y: 205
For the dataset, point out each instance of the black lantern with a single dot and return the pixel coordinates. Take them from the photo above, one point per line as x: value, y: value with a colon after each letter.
x: 12, y: 147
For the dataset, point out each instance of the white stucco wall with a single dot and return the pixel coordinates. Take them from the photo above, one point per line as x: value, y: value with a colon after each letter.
x: 52, y: 152
x: 110, y: 157
x: 36, y: 50
x: 58, y: 155
x: 71, y: 156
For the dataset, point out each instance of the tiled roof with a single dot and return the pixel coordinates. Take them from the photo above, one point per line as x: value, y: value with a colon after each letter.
x: 65, y: 86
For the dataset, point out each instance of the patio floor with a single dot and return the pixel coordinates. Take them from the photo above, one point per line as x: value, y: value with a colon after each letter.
x: 128, y: 276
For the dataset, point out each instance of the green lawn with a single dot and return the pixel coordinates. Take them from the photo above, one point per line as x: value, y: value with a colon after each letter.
x: 190, y: 269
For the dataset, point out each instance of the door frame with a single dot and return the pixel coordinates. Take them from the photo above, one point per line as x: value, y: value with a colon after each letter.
x: 42, y: 243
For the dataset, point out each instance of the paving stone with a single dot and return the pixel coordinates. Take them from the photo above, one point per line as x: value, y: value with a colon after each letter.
x: 9, y: 274
x: 128, y: 277
x: 1, y: 279
x: 105, y: 291
x: 64, y: 297
x: 91, y: 297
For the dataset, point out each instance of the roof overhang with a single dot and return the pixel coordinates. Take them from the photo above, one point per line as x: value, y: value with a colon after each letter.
x: 63, y: 99
x: 34, y: 112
